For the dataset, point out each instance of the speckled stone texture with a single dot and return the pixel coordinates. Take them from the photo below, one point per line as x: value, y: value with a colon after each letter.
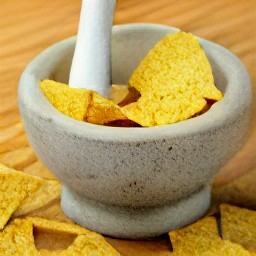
x: 136, y: 223
x: 135, y: 168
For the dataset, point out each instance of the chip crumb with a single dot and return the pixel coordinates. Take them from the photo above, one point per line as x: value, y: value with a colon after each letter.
x: 239, y: 225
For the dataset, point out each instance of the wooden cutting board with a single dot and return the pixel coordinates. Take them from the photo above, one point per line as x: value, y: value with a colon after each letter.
x: 28, y: 27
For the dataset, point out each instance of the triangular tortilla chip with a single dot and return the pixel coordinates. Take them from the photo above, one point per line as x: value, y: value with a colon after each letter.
x: 14, y: 187
x: 49, y: 191
x: 86, y: 243
x: 21, y: 193
x: 17, y: 239
x: 239, y: 225
x: 57, y: 226
x: 81, y: 104
x: 174, y: 80
x: 202, y: 238
x: 91, y: 244
x: 102, y: 111
x: 72, y: 102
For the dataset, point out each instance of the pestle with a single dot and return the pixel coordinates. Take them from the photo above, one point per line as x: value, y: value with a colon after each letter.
x: 91, y: 65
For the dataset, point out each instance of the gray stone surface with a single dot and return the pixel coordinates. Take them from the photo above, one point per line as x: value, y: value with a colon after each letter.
x: 134, y: 167
x: 135, y: 223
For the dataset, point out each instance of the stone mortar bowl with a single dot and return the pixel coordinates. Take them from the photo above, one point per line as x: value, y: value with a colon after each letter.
x: 135, y: 182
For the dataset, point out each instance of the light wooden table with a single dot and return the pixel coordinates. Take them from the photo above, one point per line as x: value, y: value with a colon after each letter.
x: 29, y: 26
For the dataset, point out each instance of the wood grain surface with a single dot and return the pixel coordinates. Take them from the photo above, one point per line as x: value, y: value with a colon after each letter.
x: 29, y: 26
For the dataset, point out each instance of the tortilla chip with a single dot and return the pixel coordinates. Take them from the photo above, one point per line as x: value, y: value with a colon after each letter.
x: 14, y: 187
x: 50, y: 253
x: 56, y: 226
x: 239, y: 225
x: 86, y: 243
x: 21, y: 193
x: 72, y: 102
x: 123, y: 94
x: 81, y: 104
x: 102, y: 111
x: 17, y: 239
x: 202, y: 238
x: 49, y: 191
x: 174, y: 80
x: 91, y: 244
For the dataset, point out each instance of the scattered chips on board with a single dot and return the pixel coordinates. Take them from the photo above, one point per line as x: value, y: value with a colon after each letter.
x: 21, y: 193
x: 17, y: 239
x: 239, y: 225
x: 202, y: 238
x: 86, y: 243
x: 174, y: 79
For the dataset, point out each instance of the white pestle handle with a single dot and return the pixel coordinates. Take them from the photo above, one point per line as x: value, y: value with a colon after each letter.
x: 91, y: 65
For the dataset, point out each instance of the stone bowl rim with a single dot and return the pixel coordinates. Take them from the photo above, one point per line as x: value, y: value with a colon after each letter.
x: 236, y: 97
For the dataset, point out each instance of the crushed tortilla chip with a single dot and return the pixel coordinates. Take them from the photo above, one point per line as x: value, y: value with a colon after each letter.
x: 239, y: 225
x: 81, y: 104
x: 174, y: 79
x: 86, y: 243
x: 21, y: 193
x: 202, y: 238
x: 17, y: 239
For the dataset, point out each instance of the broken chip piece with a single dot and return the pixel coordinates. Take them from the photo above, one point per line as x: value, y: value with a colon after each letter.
x: 202, y: 238
x: 86, y: 243
x: 174, y: 80
x: 14, y: 187
x: 90, y: 244
x: 21, y: 193
x: 81, y: 104
x: 17, y: 239
x: 239, y: 225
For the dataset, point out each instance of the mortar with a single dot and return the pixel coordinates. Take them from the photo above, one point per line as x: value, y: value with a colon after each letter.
x: 135, y: 182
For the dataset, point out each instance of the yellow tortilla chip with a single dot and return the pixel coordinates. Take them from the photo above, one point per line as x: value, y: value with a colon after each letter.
x: 174, y: 80
x: 102, y: 111
x: 14, y: 187
x: 81, y: 104
x: 49, y: 191
x: 69, y: 101
x: 91, y: 244
x: 17, y: 239
x: 21, y: 193
x: 86, y: 243
x: 123, y: 94
x: 239, y: 225
x: 56, y: 226
x: 202, y: 238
